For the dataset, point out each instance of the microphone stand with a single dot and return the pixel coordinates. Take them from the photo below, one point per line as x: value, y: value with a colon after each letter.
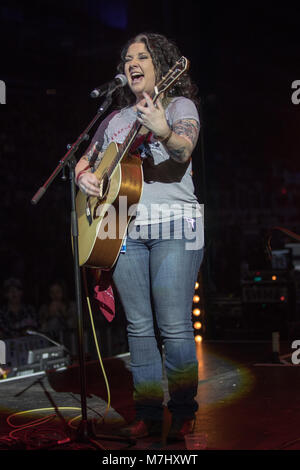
x: 85, y: 431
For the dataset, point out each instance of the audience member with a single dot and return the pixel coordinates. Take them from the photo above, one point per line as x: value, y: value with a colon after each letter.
x: 15, y: 315
x: 59, y: 312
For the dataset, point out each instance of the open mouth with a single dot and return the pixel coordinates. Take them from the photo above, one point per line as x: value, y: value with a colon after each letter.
x: 136, y: 77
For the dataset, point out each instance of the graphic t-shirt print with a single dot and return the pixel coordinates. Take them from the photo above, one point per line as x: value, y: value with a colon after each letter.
x: 120, y: 135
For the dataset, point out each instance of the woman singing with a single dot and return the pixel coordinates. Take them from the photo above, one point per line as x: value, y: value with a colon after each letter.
x: 155, y: 276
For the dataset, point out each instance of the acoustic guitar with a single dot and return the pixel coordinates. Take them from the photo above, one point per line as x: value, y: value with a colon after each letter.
x: 103, y: 220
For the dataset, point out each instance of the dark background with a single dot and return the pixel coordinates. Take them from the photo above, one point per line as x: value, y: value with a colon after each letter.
x: 246, y: 167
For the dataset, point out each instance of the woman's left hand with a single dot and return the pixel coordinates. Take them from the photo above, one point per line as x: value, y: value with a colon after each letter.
x: 152, y: 116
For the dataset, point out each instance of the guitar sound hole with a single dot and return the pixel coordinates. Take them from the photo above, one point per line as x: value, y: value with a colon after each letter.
x: 104, y: 185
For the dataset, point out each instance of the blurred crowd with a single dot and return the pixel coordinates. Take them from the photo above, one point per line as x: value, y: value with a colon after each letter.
x: 56, y: 313
x: 55, y: 317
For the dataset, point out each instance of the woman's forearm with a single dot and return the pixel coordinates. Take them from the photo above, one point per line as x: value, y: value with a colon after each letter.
x: 179, y: 148
x: 181, y: 142
x: 82, y: 165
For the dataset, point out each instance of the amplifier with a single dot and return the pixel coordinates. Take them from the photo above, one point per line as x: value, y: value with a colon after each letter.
x: 45, y: 354
x: 268, y: 302
x: 253, y: 293
x: 17, y: 349
x: 31, y: 355
x: 268, y: 287
x: 52, y: 364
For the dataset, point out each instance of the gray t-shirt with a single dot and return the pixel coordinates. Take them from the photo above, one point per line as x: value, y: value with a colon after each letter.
x: 168, y: 190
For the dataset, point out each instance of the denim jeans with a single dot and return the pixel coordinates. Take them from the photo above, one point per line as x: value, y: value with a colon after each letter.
x: 155, y: 280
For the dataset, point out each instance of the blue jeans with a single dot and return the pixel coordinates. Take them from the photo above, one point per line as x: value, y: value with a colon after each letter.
x: 155, y: 280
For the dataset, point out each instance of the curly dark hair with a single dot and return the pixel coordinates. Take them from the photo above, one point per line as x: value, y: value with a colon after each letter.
x: 164, y: 53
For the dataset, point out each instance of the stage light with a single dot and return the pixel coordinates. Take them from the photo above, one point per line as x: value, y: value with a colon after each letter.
x: 197, y: 303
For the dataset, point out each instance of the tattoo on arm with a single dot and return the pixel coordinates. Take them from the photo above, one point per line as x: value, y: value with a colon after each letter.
x: 187, y: 128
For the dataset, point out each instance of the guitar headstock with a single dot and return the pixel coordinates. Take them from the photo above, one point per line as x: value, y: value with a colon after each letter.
x: 181, y: 66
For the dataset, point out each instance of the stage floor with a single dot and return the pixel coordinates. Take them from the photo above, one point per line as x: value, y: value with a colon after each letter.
x: 246, y: 402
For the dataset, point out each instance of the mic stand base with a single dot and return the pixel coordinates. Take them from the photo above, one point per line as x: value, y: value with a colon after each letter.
x: 86, y: 435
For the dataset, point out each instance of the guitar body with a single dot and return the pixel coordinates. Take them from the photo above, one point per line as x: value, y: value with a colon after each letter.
x: 103, y: 222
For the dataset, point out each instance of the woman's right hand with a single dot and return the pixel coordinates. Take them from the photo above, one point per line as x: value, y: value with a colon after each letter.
x: 89, y: 184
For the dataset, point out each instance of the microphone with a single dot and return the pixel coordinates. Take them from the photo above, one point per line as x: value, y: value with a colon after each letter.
x: 109, y: 87
x: 37, y: 333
